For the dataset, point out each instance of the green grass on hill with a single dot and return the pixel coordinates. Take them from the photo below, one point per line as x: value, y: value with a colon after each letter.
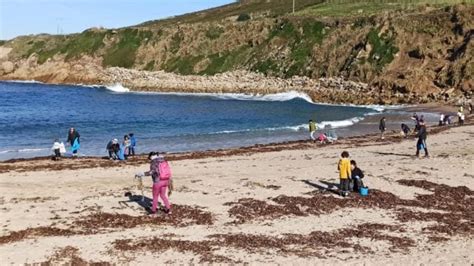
x: 124, y: 52
x: 383, y: 49
x: 85, y: 43
x: 271, y: 8
x: 300, y: 36
x: 346, y: 8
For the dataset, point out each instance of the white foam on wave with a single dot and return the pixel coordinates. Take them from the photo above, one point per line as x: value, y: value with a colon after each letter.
x: 32, y: 150
x: 303, y: 127
x: 24, y: 150
x: 117, y: 88
x: 340, y: 123
x: 275, y: 97
x: 23, y: 81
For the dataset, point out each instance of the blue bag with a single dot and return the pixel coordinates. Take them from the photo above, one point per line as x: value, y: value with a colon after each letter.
x: 75, y: 146
x: 364, y: 191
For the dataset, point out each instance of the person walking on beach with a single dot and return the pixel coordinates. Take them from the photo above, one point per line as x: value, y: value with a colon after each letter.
x: 312, y: 130
x: 161, y: 175
x: 470, y: 108
x: 382, y: 127
x: 421, y: 143
x: 461, y: 119
x: 73, y: 139
x: 441, y: 119
x: 344, y: 167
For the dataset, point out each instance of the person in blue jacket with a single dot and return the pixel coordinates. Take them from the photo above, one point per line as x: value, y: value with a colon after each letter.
x: 133, y: 143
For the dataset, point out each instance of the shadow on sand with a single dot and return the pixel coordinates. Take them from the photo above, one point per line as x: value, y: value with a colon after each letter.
x: 142, y: 201
x: 324, y: 186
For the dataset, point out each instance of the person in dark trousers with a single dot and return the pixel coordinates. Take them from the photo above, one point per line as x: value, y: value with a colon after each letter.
x: 57, y: 149
x: 356, y: 176
x: 382, y: 127
x: 73, y: 139
x: 421, y: 143
x: 344, y: 168
x: 133, y: 143
x: 113, y: 147
x: 470, y: 108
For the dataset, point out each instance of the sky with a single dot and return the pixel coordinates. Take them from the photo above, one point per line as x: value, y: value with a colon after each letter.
x: 23, y: 17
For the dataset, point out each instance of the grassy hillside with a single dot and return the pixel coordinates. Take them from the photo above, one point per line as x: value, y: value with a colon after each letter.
x: 389, y: 43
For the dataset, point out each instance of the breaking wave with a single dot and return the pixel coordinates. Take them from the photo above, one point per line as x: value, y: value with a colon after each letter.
x: 117, y: 88
x: 302, y: 127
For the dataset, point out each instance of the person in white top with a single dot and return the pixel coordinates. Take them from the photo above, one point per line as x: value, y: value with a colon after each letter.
x: 58, y: 148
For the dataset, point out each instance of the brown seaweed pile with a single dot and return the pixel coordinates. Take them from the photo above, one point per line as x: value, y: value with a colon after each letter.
x: 204, y: 249
x: 32, y: 232
x: 452, y: 207
x: 100, y: 222
x: 313, y: 244
x: 182, y: 216
x: 69, y: 256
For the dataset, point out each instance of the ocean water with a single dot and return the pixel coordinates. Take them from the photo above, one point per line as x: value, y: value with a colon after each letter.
x: 32, y: 115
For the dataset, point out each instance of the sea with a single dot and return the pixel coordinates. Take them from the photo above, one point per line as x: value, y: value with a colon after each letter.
x: 33, y: 115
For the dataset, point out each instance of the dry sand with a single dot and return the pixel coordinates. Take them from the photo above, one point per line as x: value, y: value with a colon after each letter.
x: 250, y: 207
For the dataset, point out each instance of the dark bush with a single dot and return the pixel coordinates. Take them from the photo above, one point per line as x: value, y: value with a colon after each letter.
x: 243, y: 17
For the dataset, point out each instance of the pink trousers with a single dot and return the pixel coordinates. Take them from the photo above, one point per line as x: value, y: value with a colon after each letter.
x: 160, y: 190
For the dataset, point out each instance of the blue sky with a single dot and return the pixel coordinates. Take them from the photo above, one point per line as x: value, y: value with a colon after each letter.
x: 22, y: 17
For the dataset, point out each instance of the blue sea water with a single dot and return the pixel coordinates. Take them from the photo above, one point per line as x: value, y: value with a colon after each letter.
x: 32, y: 115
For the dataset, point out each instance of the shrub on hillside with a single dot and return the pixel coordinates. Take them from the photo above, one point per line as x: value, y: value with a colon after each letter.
x: 243, y: 17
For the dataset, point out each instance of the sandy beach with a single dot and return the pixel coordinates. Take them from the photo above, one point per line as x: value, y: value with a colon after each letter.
x: 261, y: 204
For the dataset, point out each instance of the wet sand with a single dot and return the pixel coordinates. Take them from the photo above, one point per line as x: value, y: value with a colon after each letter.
x: 261, y: 204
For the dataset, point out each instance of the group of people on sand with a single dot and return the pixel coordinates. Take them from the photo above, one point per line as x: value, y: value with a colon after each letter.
x: 116, y: 151
x: 350, y: 176
x: 446, y: 119
x: 122, y: 151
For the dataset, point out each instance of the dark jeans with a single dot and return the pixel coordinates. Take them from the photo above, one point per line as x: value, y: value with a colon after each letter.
x: 344, y: 185
x: 421, y: 144
x: 113, y: 154
x: 357, y: 184
x: 131, y: 150
x: 57, y: 154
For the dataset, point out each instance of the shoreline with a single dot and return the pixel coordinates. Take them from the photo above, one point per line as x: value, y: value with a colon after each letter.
x: 86, y: 162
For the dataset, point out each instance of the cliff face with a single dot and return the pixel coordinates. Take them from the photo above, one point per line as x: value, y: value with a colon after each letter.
x: 419, y: 55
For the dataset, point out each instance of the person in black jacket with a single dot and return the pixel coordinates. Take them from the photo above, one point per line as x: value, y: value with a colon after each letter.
x: 356, y: 176
x: 405, y: 130
x: 113, y: 147
x: 72, y: 136
x: 421, y: 143
x: 382, y: 127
